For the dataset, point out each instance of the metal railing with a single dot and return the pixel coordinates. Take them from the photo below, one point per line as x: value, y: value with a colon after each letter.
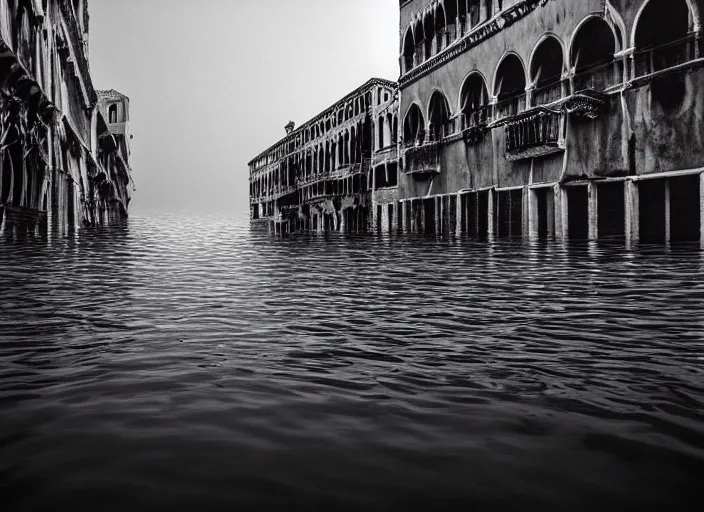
x: 599, y: 77
x: 422, y: 158
x: 510, y: 106
x: 540, y: 130
x: 665, y: 56
x: 547, y: 93
x: 475, y: 117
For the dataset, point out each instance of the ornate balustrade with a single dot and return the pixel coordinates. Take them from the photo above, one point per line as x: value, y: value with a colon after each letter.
x: 422, y: 160
x: 548, y: 94
x: 665, y: 56
x: 599, y: 78
x: 534, y: 133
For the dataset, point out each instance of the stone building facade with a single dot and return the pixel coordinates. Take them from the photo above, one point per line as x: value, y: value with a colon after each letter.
x: 55, y: 167
x: 552, y: 118
x: 320, y: 176
x: 541, y: 118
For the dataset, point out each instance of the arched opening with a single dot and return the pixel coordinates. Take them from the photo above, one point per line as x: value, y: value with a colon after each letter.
x: 440, y: 28
x: 112, y: 114
x: 439, y: 116
x: 380, y: 128
x: 346, y: 152
x: 353, y: 145
x: 474, y: 13
x: 546, y: 71
x: 451, y: 20
x: 474, y: 101
x: 367, y: 138
x: 414, y: 127
x: 408, y: 51
x: 663, y: 36
x: 592, y: 56
x: 394, y: 130
x: 428, y: 29
x: 510, y: 86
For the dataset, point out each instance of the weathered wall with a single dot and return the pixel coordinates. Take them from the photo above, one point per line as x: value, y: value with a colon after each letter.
x: 635, y: 133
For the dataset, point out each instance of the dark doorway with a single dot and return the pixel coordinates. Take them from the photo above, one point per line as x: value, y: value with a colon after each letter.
x: 652, y: 210
x: 611, y: 210
x: 685, y: 217
x: 578, y: 212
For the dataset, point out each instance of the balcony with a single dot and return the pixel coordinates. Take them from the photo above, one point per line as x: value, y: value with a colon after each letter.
x: 510, y: 107
x: 666, y: 56
x: 422, y: 161
x: 598, y: 78
x: 534, y: 133
x: 547, y: 94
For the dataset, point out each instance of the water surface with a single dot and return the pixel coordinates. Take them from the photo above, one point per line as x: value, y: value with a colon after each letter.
x: 193, y: 363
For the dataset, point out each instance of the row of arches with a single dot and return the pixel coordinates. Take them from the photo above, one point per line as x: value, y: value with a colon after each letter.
x: 348, y: 111
x: 387, y: 130
x: 434, y: 30
x: 589, y: 60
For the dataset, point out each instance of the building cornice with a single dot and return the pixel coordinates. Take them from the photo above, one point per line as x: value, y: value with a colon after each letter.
x: 77, y: 53
x: 332, y: 108
x: 483, y: 32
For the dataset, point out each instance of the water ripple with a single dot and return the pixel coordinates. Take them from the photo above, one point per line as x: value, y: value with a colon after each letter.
x: 193, y: 361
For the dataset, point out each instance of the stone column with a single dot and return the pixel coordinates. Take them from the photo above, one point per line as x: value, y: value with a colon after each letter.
x: 593, y: 210
x: 559, y: 215
x: 632, y: 204
x: 423, y: 220
x: 668, y: 210
x: 531, y: 197
x: 460, y: 212
x: 438, y: 214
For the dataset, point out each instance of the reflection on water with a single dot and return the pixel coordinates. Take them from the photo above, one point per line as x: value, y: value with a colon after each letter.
x: 189, y: 362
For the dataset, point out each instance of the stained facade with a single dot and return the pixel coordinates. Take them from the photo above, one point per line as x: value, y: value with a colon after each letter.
x: 63, y: 164
x: 321, y: 176
x: 544, y: 119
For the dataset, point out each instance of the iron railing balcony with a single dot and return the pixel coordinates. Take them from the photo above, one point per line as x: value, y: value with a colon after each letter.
x: 600, y: 77
x: 665, y: 56
x: 422, y: 160
x: 547, y: 94
x: 510, y: 107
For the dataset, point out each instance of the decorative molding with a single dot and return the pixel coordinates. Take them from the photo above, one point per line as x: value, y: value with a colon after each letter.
x: 483, y: 32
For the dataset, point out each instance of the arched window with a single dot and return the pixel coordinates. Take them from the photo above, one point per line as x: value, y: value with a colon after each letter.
x: 510, y: 86
x: 451, y: 19
x: 546, y: 71
x: 353, y: 145
x: 439, y: 116
x: 474, y: 13
x: 394, y: 130
x: 414, y: 127
x: 347, y: 148
x: 663, y: 36
x: 428, y: 29
x: 112, y: 113
x: 474, y: 101
x: 440, y: 28
x: 381, y: 132
x: 592, y: 56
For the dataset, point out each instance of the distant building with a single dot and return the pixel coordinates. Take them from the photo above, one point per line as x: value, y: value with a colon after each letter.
x: 114, y: 152
x: 544, y: 119
x: 320, y: 176
x: 53, y: 173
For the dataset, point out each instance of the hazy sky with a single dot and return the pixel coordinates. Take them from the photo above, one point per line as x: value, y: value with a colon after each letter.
x: 213, y: 82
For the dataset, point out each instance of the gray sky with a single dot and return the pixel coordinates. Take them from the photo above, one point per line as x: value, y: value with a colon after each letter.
x: 213, y: 82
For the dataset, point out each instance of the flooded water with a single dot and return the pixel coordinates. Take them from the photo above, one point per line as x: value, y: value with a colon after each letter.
x: 194, y: 364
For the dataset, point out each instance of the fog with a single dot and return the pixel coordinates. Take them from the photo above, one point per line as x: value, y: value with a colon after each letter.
x: 213, y: 83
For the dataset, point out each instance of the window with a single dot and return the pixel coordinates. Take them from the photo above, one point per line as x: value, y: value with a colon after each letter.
x: 112, y: 113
